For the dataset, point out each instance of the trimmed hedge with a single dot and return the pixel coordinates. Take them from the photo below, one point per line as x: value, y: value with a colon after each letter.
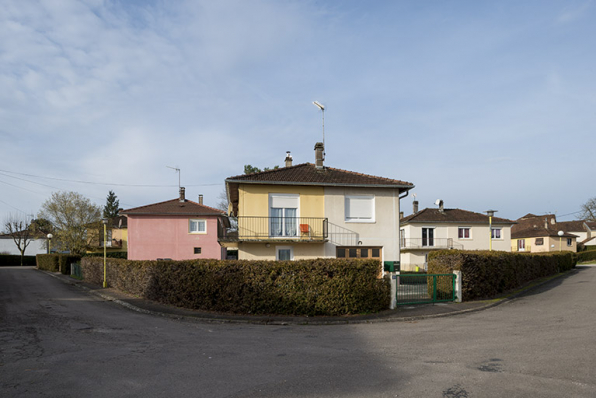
x: 56, y: 262
x: 487, y: 274
x: 305, y: 287
x: 123, y: 255
x: 15, y: 259
x: 587, y: 256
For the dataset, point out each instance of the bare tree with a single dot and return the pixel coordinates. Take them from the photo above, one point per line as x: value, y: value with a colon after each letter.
x: 589, y: 210
x: 19, y: 229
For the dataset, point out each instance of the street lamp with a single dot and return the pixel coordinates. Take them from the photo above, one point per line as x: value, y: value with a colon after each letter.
x: 560, y: 233
x: 490, y: 214
x: 105, y: 237
x: 49, y: 236
x: 322, y: 108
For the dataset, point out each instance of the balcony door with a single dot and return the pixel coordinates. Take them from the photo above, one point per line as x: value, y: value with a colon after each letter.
x: 428, y: 237
x: 283, y: 215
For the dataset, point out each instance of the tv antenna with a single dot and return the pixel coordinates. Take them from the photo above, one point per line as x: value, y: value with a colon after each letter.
x: 178, y: 171
x: 322, y: 108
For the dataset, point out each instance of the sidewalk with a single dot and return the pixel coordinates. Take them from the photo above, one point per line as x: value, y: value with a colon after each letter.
x: 401, y: 314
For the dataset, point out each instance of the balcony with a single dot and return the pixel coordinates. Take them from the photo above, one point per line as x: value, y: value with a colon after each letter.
x: 114, y: 243
x: 429, y: 244
x: 276, y: 229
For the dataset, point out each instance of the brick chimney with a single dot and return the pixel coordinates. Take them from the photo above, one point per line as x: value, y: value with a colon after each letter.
x: 182, y: 198
x: 415, y: 206
x: 319, y: 148
x: 201, y: 199
x: 288, y: 159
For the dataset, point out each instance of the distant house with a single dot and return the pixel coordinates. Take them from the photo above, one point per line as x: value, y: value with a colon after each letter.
x: 435, y: 229
x: 37, y: 245
x: 117, y: 236
x: 540, y: 233
x: 177, y: 229
x: 584, y: 230
x: 311, y: 211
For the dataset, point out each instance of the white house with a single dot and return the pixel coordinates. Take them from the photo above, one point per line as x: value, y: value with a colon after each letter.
x: 36, y: 246
x: 435, y: 229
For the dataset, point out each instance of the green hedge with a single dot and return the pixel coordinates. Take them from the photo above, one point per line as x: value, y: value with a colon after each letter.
x: 587, y: 256
x: 487, y: 274
x: 56, y: 262
x: 15, y: 259
x: 123, y: 255
x: 305, y: 287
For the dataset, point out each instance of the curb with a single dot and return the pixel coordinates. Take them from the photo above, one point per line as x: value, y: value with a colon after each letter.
x: 310, y: 322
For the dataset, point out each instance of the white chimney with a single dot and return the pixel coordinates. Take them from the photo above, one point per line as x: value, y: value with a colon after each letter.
x: 288, y: 159
x: 182, y: 198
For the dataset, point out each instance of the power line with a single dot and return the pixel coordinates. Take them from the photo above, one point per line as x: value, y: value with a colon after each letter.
x: 101, y: 183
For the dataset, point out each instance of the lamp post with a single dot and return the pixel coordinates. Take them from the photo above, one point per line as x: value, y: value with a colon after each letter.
x: 560, y: 233
x: 490, y: 214
x: 49, y: 236
x: 105, y: 237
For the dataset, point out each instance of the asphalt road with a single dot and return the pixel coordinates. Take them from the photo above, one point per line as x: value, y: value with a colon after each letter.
x: 56, y: 340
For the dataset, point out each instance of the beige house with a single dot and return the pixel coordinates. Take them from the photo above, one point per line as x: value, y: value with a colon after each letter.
x: 539, y: 234
x: 436, y: 229
x: 311, y: 210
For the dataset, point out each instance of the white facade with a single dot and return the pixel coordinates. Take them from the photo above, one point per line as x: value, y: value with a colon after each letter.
x: 36, y: 246
x: 353, y: 223
x: 417, y: 243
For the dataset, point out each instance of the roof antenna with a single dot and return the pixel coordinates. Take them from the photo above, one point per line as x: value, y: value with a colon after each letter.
x: 178, y: 171
x: 322, y: 108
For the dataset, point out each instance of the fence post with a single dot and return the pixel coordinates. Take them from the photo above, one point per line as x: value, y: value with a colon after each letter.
x: 458, y: 286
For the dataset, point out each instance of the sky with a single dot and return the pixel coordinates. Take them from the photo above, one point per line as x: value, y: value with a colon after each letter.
x: 485, y: 105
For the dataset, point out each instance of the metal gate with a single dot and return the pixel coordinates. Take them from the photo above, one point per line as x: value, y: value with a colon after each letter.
x: 425, y: 288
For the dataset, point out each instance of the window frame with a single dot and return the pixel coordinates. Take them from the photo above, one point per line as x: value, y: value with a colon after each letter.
x: 500, y: 237
x: 539, y: 241
x: 370, y: 220
x: 569, y: 241
x: 198, y: 221
x: 469, y: 229
x: 278, y: 248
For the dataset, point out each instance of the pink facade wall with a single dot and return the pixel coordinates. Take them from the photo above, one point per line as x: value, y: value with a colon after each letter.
x: 153, y: 237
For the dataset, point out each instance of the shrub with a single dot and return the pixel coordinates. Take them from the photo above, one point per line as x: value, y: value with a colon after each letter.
x: 56, y: 262
x: 305, y: 287
x: 123, y: 255
x: 15, y: 259
x: 487, y: 274
x: 587, y: 256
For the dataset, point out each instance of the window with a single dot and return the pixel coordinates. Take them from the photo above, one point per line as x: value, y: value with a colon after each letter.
x: 283, y: 213
x: 539, y: 241
x: 428, y: 236
x: 284, y: 253
x: 569, y: 241
x: 402, y: 237
x: 359, y: 252
x: 360, y: 208
x: 197, y: 250
x: 197, y: 226
x: 495, y: 233
x: 521, y: 245
x: 463, y: 233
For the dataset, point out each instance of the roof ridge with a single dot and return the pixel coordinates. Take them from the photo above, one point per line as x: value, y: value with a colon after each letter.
x: 268, y: 171
x: 367, y: 175
x: 172, y: 200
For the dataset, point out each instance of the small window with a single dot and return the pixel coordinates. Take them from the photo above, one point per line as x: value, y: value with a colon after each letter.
x: 363, y: 253
x: 463, y: 233
x: 569, y: 241
x: 360, y: 208
x: 496, y: 233
x: 353, y: 253
x: 376, y: 253
x: 284, y: 253
x: 197, y: 250
x: 341, y: 253
x: 539, y: 241
x: 197, y: 226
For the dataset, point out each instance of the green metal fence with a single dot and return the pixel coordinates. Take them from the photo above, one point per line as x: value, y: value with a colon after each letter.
x: 75, y: 271
x: 425, y: 288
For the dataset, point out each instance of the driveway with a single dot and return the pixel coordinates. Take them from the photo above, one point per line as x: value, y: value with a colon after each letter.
x: 57, y: 340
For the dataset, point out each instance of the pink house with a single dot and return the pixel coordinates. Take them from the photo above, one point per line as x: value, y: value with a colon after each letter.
x: 177, y: 229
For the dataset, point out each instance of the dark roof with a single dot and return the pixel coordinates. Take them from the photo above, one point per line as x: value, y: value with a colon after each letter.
x: 591, y: 224
x: 174, y: 207
x: 532, y: 221
x: 452, y: 215
x: 571, y: 226
x: 539, y: 232
x: 309, y: 174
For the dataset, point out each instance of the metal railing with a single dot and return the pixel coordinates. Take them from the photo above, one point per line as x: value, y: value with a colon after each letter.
x: 425, y: 288
x: 277, y: 228
x: 111, y: 243
x: 429, y: 243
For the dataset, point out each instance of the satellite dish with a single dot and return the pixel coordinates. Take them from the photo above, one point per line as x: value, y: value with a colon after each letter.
x: 438, y: 202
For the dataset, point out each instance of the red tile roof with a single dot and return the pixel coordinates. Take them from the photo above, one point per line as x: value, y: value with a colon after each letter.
x: 174, y: 207
x: 539, y: 232
x: 451, y: 216
x: 309, y: 174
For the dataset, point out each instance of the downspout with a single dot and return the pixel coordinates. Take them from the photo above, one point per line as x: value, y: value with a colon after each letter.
x: 396, y: 225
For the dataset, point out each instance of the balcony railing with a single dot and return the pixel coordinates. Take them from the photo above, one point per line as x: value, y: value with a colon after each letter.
x: 277, y: 229
x: 429, y: 243
x: 116, y: 243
